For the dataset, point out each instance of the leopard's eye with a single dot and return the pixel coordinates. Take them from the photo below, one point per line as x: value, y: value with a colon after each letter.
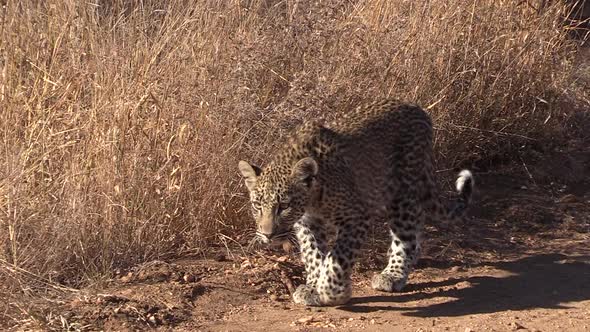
x: 282, y: 207
x: 256, y: 210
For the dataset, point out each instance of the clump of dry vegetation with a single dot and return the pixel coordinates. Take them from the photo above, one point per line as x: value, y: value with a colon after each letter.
x: 122, y: 121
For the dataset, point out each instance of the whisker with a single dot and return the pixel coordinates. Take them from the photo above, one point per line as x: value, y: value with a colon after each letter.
x: 253, y: 244
x: 293, y: 240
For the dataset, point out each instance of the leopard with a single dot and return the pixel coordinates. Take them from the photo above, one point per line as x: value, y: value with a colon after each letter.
x: 329, y: 182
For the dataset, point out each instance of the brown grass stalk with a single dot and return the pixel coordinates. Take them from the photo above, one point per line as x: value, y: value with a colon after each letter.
x: 122, y: 121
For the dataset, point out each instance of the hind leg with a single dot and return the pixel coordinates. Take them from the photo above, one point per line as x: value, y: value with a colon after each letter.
x: 406, y: 224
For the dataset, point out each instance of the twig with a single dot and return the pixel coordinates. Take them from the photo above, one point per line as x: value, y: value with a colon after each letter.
x: 527, y: 170
x: 224, y: 239
x: 287, y: 282
x: 15, y: 270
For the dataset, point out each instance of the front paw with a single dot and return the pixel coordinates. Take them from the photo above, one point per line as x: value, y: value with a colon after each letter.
x: 306, y: 295
x: 388, y: 282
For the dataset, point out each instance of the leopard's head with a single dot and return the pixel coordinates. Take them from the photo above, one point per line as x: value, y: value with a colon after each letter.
x: 279, y: 195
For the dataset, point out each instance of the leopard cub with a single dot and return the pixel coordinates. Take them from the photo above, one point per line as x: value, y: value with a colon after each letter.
x: 373, y: 164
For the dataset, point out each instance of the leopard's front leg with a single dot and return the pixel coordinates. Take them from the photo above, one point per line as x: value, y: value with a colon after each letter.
x: 311, y: 235
x: 333, y: 284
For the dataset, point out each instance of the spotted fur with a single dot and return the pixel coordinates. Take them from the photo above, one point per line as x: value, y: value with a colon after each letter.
x: 375, y: 163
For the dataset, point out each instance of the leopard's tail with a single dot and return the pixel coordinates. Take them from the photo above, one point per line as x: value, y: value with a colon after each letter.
x: 464, y: 185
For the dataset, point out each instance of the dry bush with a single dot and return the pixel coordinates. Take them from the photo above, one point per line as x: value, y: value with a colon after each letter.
x: 122, y: 121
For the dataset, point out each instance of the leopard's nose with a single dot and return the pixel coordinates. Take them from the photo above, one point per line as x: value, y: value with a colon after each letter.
x: 265, y: 237
x: 265, y: 227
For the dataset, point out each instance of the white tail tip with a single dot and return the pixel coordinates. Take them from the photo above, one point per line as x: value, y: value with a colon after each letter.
x: 464, y: 176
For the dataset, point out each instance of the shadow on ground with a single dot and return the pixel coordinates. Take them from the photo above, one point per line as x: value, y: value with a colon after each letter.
x: 542, y: 281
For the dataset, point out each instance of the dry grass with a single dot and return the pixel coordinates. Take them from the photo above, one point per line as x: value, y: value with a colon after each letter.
x: 122, y: 121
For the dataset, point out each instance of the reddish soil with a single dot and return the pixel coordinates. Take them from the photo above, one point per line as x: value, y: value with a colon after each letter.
x: 521, y: 261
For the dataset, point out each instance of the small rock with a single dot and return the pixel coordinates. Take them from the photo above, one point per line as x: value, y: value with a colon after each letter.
x: 153, y: 320
x: 188, y: 278
x: 515, y: 326
x: 305, y: 320
x: 274, y: 297
x: 126, y: 278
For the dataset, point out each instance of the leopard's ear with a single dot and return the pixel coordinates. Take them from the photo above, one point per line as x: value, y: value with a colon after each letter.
x: 250, y: 173
x: 305, y: 170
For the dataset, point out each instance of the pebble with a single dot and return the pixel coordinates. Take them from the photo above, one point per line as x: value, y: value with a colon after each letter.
x: 188, y: 278
x: 305, y: 320
x: 152, y: 319
x: 127, y: 278
x: 515, y: 326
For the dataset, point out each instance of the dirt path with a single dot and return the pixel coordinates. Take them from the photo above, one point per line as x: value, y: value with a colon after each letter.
x: 520, y: 262
x: 547, y: 292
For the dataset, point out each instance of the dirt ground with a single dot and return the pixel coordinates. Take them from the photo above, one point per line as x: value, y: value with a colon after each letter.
x: 520, y: 261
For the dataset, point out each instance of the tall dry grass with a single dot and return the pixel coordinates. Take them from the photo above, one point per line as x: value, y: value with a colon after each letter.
x: 122, y: 121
